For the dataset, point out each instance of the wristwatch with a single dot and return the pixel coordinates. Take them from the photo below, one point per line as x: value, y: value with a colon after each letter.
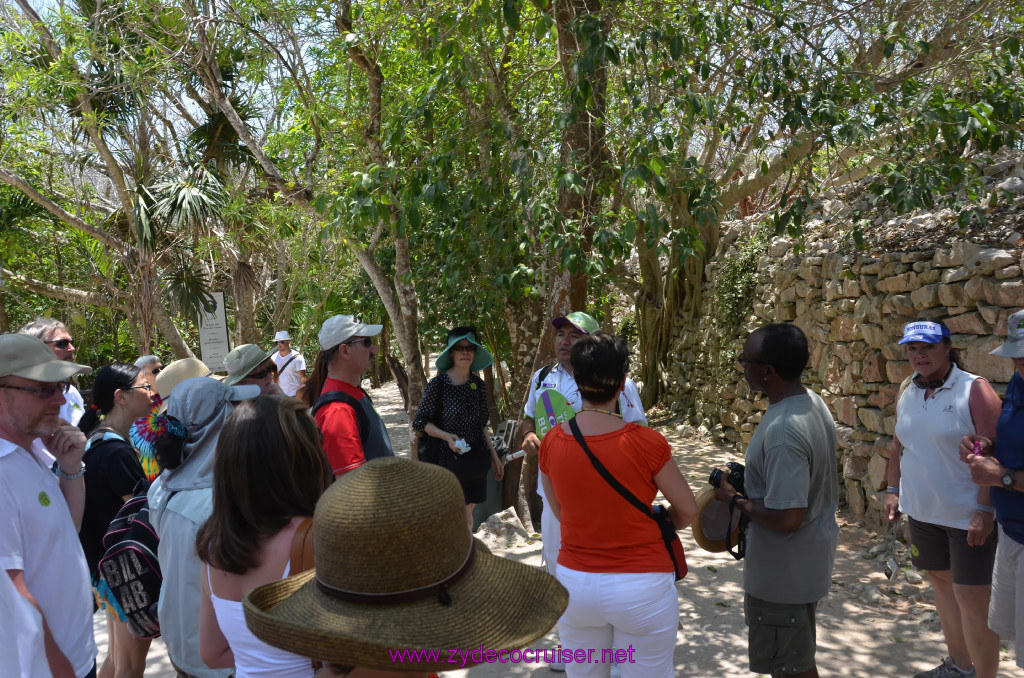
x: 1008, y: 478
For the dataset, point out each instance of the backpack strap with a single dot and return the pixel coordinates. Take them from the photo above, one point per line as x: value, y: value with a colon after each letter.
x: 362, y: 421
x: 301, y: 558
x: 544, y: 371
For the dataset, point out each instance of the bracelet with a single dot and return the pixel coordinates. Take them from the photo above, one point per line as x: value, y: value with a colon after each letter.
x: 71, y: 476
x: 892, y: 490
x: 985, y: 509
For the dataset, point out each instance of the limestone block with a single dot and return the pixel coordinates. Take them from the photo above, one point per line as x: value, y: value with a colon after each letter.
x: 867, y: 310
x: 893, y: 351
x: 1008, y: 272
x: 987, y: 260
x: 877, y: 472
x: 893, y: 325
x: 844, y: 352
x: 861, y: 448
x: 833, y: 290
x: 929, y: 277
x: 898, y: 303
x: 844, y: 437
x: 999, y: 327
x: 872, y: 418
x: 975, y: 358
x: 870, y: 266
x: 845, y: 328
x: 880, y: 399
x: 1008, y: 294
x: 883, y: 445
x: 953, y: 295
x: 891, y: 268
x: 854, y: 467
x: 913, y: 257
x: 829, y: 309
x: 968, y: 323
x: 989, y: 314
x: 801, y: 287
x: 975, y: 289
x: 855, y: 499
x: 788, y: 294
x: 925, y: 297
x: 785, y: 313
x: 922, y: 266
x: 903, y: 282
x: 873, y: 369
x: 957, y: 255
x: 869, y: 284
x: 873, y: 335
x: 847, y: 305
x: 890, y: 425
x: 952, y: 275
x: 898, y: 370
x: 810, y: 272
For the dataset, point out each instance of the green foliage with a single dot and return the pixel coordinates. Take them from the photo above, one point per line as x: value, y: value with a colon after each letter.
x: 736, y: 280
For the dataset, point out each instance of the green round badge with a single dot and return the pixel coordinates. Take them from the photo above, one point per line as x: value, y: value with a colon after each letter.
x: 44, y: 499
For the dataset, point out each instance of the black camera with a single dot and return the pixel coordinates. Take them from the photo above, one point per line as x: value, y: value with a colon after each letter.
x: 734, y: 476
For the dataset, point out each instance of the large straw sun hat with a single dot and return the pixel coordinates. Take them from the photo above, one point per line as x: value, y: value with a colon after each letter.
x: 397, y: 569
x: 709, y: 527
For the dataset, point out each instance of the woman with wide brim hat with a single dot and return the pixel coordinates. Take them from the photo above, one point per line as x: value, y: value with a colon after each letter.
x: 454, y: 413
x: 397, y: 576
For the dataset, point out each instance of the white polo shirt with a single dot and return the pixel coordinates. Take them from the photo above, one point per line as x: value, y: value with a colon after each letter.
x: 74, y: 406
x: 288, y: 378
x: 559, y: 379
x: 38, y: 537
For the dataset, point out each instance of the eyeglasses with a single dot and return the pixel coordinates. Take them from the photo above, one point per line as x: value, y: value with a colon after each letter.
x: 156, y: 370
x: 744, y: 360
x: 365, y: 341
x: 61, y: 344
x: 44, y: 392
x: 261, y: 374
x: 146, y: 387
x: 468, y: 348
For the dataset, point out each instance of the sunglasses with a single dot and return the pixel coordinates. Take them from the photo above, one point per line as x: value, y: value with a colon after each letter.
x: 365, y: 341
x: 469, y: 348
x: 60, y: 343
x: 44, y: 392
x: 744, y: 360
x: 156, y: 370
x: 261, y: 374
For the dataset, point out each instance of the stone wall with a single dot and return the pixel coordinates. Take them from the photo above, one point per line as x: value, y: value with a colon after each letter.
x: 853, y: 305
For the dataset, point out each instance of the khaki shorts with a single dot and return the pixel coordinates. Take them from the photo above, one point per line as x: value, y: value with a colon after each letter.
x: 781, y: 636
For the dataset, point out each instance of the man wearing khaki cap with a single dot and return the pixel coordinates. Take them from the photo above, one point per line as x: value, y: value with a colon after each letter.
x: 42, y: 512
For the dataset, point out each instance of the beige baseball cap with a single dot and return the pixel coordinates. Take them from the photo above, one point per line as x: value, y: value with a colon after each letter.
x: 29, y: 358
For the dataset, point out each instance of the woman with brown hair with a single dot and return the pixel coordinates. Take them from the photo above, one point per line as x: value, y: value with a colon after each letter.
x: 269, y: 471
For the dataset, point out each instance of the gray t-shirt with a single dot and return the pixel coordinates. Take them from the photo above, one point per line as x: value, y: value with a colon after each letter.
x: 791, y: 463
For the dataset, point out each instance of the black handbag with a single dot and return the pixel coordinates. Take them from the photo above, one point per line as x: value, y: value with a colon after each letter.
x: 658, y: 513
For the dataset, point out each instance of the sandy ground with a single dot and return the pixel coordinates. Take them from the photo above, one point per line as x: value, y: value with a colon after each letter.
x: 866, y: 627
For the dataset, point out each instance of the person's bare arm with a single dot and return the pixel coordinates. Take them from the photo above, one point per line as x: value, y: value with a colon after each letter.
x: 67, y: 445
x: 531, y: 442
x: 672, y: 484
x: 549, y: 492
x: 60, y: 667
x: 892, y: 499
x: 214, y: 649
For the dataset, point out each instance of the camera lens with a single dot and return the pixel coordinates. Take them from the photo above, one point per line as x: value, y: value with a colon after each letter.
x: 715, y: 479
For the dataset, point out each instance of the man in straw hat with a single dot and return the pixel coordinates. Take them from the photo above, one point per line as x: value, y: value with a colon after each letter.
x: 42, y: 512
x: 291, y: 366
x: 791, y: 502
x: 559, y: 377
x: 388, y: 600
x: 352, y: 428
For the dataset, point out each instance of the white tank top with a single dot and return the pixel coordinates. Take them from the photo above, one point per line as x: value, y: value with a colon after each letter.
x: 935, y: 486
x: 253, y: 657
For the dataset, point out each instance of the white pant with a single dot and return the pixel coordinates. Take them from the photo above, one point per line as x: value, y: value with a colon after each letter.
x: 551, y: 537
x: 1006, y: 611
x: 637, y: 612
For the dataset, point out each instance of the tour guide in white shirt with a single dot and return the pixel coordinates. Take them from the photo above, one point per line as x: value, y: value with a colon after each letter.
x: 40, y: 513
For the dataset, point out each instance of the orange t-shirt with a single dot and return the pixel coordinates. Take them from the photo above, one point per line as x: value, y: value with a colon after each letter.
x: 602, y: 531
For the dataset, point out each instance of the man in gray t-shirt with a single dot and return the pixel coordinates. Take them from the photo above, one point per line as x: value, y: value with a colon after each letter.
x: 791, y: 488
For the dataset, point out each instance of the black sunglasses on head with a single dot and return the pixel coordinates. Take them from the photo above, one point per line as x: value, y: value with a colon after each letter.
x: 60, y: 343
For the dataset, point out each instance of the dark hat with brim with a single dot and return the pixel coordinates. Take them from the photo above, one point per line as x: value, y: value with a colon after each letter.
x: 401, y: 576
x: 481, y: 359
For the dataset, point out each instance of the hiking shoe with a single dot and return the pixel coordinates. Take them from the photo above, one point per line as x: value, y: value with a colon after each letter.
x: 947, y: 669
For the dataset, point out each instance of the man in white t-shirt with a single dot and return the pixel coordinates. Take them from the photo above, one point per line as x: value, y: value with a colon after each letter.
x: 291, y: 366
x: 559, y: 377
x: 55, y: 334
x: 42, y: 512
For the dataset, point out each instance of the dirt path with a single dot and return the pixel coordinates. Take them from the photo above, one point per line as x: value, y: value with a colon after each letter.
x: 866, y: 628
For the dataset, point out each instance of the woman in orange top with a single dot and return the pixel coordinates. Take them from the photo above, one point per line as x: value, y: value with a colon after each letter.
x: 613, y: 561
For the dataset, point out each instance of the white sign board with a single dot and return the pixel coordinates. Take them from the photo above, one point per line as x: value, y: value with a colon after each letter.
x: 214, y: 344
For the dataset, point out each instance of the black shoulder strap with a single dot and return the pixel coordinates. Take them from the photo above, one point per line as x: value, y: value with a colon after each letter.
x: 544, y: 371
x: 608, y: 477
x: 341, y: 397
x: 288, y: 362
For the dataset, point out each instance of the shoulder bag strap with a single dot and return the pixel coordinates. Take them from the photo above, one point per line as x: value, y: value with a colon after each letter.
x: 608, y: 477
x: 301, y: 558
x: 281, y: 369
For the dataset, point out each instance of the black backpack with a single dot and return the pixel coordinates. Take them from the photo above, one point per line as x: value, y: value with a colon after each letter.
x: 362, y: 421
x: 130, y: 566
